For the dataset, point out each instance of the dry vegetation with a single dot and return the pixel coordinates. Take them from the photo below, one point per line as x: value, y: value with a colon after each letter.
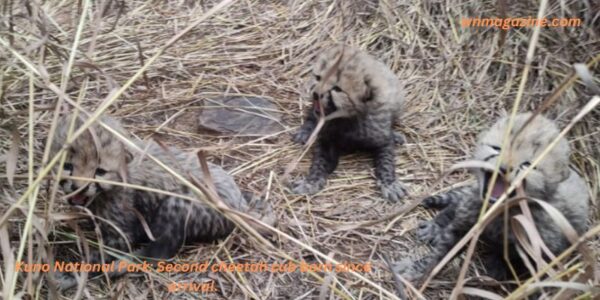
x: 457, y: 82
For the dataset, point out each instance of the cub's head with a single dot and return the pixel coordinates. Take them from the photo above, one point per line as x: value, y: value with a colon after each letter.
x: 338, y: 82
x: 94, y: 154
x: 524, y: 149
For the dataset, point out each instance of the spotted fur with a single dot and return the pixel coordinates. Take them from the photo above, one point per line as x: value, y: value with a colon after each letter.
x: 366, y: 93
x: 172, y: 221
x: 552, y: 181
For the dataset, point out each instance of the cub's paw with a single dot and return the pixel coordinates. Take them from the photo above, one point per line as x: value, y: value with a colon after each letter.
x: 301, y: 136
x: 436, y: 201
x: 428, y: 231
x: 406, y: 268
x: 306, y: 187
x: 64, y: 281
x: 399, y: 138
x: 430, y: 202
x: 263, y: 211
x: 393, y: 192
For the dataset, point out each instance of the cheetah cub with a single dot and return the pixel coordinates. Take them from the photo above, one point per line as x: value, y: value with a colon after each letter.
x: 172, y: 221
x: 365, y: 93
x: 552, y: 181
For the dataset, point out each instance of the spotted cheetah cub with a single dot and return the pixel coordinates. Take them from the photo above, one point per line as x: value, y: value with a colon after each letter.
x: 172, y: 221
x: 365, y: 94
x: 552, y: 181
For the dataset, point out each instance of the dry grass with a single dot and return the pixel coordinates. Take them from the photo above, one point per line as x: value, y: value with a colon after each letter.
x: 457, y: 80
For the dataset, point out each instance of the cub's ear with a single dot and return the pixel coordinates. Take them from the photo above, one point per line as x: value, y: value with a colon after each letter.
x: 124, y: 167
x: 128, y: 156
x: 368, y: 92
x: 60, y: 133
x: 565, y: 172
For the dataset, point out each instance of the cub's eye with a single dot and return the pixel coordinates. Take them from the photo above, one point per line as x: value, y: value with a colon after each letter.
x: 525, y: 165
x: 100, y: 172
x: 318, y: 78
x: 497, y: 148
x: 68, y: 167
x: 336, y: 88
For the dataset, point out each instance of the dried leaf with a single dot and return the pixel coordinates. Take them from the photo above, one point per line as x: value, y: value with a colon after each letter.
x: 530, y: 239
x: 571, y: 235
x: 560, y: 220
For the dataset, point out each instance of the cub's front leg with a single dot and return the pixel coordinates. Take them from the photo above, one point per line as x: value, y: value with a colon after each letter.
x: 325, y: 159
x: 429, y: 231
x: 385, y: 172
x: 67, y: 280
x: 310, y: 123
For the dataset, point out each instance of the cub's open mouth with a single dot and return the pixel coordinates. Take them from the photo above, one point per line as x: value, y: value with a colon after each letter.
x: 500, y: 186
x: 317, y: 107
x: 78, y: 199
x: 327, y: 108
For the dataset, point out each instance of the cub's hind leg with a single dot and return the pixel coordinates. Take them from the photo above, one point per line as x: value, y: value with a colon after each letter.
x: 431, y: 231
x: 182, y: 222
x: 169, y: 238
x: 442, y: 200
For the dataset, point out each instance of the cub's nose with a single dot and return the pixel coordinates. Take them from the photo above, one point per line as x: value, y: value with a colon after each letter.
x: 315, y: 96
x: 75, y: 187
